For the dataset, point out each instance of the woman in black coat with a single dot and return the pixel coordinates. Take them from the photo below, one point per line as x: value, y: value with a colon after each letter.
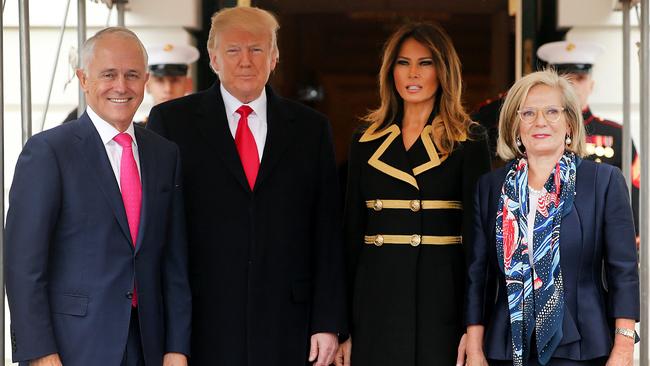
x: 411, y: 177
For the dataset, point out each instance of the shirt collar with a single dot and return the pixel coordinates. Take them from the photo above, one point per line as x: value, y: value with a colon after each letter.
x: 106, y: 131
x: 232, y: 104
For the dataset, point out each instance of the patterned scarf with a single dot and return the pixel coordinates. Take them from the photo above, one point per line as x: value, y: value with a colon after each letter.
x: 535, y: 295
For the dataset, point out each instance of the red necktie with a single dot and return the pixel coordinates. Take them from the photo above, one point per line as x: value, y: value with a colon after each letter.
x: 246, y: 146
x: 131, y: 188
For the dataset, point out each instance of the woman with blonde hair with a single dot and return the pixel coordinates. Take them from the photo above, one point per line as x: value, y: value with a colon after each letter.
x: 548, y: 228
x: 411, y: 178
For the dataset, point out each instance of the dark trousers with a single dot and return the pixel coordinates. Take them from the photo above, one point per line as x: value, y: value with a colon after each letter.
x: 133, y: 355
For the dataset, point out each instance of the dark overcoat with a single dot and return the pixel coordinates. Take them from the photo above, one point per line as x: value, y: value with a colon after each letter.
x: 405, y: 214
x: 265, y: 264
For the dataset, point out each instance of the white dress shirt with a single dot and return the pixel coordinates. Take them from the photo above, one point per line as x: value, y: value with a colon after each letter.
x: 114, y: 151
x: 256, y: 120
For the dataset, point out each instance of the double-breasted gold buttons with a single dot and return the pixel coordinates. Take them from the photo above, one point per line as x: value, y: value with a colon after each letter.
x: 416, y: 240
x: 378, y: 205
x: 415, y: 205
x: 379, y: 240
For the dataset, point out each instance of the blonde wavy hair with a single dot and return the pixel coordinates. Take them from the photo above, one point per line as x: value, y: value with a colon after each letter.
x: 509, y: 120
x: 454, y: 120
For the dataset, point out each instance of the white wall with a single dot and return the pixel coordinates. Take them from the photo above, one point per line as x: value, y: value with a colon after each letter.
x: 155, y: 21
x: 595, y: 20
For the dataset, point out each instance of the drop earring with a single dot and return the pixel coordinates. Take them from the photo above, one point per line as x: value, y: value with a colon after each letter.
x: 518, y: 141
x: 568, y: 140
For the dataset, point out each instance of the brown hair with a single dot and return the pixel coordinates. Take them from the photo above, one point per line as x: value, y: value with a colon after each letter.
x: 509, y: 120
x: 455, y: 121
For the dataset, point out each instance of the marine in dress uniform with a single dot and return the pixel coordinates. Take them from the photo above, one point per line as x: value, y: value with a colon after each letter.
x: 604, y: 137
x: 168, y: 68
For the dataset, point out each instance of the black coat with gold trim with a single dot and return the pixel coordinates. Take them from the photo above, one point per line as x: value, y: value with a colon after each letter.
x: 405, y: 214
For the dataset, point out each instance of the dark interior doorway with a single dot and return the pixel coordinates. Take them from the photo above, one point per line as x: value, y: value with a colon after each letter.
x: 330, y: 51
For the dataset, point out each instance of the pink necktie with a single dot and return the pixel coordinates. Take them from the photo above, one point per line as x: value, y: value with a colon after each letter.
x: 131, y: 190
x: 246, y: 146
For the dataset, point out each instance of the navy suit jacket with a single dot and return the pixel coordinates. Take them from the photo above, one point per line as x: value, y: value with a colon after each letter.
x: 597, y: 255
x: 70, y: 262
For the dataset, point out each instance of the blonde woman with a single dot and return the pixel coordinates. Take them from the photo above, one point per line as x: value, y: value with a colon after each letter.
x: 544, y: 226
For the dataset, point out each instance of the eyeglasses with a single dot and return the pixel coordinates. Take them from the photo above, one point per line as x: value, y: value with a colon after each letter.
x: 551, y: 113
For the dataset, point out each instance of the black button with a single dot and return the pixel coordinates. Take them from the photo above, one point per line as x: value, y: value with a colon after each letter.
x: 129, y: 295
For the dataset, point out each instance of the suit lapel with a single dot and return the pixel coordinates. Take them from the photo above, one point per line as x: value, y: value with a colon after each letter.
x: 92, y: 149
x: 214, y: 124
x: 584, y: 203
x: 147, y: 176
x: 277, y: 137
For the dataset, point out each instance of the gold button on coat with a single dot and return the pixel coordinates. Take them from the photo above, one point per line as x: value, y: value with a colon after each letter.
x: 378, y: 205
x: 415, y: 240
x: 379, y: 240
x: 415, y: 205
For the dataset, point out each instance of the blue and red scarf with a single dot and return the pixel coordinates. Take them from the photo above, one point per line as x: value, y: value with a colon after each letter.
x: 535, y: 295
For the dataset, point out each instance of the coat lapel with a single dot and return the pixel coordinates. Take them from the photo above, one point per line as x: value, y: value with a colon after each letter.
x: 214, y: 124
x: 433, y: 160
x: 92, y: 149
x: 278, y: 135
x: 147, y: 176
x: 390, y: 157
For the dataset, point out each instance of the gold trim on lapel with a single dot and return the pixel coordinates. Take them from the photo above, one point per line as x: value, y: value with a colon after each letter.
x: 393, y: 132
x: 434, y: 159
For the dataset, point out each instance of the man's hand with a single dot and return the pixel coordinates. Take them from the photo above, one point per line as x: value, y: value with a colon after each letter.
x: 323, y: 347
x: 174, y: 359
x: 342, y: 357
x: 49, y: 360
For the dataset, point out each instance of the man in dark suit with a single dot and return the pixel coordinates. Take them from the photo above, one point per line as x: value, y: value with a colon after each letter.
x: 262, y: 208
x: 96, y: 256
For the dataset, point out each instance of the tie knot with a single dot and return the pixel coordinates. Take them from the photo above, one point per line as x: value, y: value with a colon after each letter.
x: 244, y: 111
x: 123, y: 139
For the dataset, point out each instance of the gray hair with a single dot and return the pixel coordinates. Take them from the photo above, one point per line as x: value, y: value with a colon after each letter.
x: 88, y: 48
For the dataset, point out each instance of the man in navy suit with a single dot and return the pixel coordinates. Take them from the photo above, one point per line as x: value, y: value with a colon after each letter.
x: 96, y: 257
x: 261, y: 195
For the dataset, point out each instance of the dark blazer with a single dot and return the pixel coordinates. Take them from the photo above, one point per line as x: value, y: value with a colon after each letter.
x: 70, y: 261
x: 265, y: 265
x: 597, y: 229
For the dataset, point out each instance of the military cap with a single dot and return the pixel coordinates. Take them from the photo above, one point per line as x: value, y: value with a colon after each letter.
x: 171, y: 59
x: 570, y: 57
